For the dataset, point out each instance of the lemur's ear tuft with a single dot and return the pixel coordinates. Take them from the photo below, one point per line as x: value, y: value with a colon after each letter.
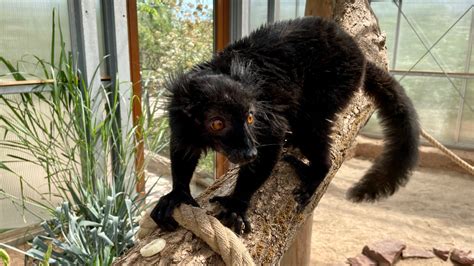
x: 178, y: 83
x: 180, y: 93
x: 240, y: 71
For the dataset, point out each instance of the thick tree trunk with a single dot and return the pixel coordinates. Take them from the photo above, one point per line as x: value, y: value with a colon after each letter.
x: 275, y: 221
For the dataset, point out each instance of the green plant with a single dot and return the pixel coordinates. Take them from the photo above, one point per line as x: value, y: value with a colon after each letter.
x: 58, y: 128
x: 173, y: 35
x: 47, y: 256
x: 4, y: 257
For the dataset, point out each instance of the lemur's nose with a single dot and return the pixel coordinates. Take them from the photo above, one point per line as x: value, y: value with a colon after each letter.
x: 250, y: 154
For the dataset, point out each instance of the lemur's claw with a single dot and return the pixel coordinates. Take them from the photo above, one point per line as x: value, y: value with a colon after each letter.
x: 234, y: 214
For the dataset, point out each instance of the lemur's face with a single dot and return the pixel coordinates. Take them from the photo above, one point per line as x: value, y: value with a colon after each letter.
x: 220, y: 112
x: 231, y: 131
x: 229, y: 118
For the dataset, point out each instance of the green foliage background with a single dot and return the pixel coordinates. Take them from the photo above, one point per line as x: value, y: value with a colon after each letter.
x: 174, y: 35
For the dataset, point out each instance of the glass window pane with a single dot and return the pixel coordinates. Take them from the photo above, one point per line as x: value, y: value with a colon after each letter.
x: 291, y: 9
x: 373, y: 126
x: 26, y: 30
x: 467, y: 123
x: 431, y: 21
x: 258, y: 13
x: 435, y: 97
x: 35, y: 183
x: 437, y: 103
x: 386, y: 12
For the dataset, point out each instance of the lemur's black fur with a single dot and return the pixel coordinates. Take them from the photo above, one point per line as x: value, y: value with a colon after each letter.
x: 291, y: 76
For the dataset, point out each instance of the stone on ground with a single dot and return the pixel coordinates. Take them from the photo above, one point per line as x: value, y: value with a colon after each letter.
x: 361, y: 260
x: 442, y: 252
x: 462, y: 257
x: 414, y: 252
x: 385, y: 252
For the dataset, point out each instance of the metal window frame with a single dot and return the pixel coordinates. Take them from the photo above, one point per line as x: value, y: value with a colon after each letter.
x: 239, y: 19
x: 117, y: 48
x: 28, y: 86
x: 397, y: 35
x: 273, y: 11
x: 85, y: 49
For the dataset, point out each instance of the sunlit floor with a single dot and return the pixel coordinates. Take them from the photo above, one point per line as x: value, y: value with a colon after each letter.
x: 436, y: 208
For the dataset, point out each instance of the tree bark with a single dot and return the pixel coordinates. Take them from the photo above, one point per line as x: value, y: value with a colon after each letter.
x: 275, y: 221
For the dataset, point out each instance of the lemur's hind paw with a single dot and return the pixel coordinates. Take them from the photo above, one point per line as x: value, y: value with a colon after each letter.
x: 162, y: 214
x: 310, y: 180
x: 234, y: 214
x: 302, y: 193
x: 302, y: 197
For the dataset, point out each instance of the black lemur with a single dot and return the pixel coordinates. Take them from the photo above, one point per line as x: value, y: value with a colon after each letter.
x: 291, y: 76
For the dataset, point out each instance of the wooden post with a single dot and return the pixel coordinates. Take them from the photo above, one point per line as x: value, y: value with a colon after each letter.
x: 221, y: 40
x: 137, y: 91
x: 299, y: 253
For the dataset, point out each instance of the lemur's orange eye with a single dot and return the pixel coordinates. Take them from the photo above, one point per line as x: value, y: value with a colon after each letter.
x: 250, y: 119
x: 217, y: 125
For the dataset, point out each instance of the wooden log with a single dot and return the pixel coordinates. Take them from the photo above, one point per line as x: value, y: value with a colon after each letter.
x: 275, y: 220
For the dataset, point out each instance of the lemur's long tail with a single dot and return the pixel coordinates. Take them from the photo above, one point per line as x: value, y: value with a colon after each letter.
x: 401, y: 137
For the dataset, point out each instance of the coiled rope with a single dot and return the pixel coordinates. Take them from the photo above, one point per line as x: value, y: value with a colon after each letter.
x: 220, y: 238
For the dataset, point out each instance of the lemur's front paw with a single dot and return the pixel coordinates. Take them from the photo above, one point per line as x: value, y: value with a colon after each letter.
x: 234, y: 214
x: 162, y: 214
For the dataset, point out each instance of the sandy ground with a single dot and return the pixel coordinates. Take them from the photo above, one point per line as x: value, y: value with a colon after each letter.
x: 435, y: 208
